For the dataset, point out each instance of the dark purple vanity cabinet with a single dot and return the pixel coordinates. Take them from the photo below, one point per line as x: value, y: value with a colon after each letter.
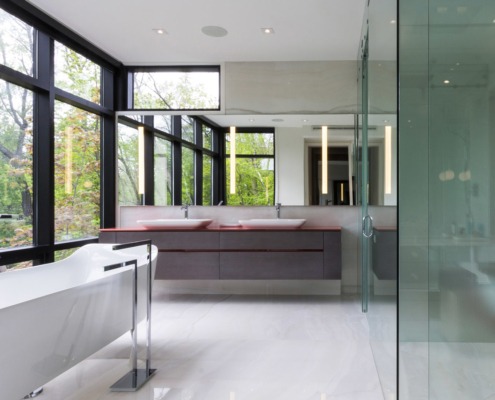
x: 313, y: 253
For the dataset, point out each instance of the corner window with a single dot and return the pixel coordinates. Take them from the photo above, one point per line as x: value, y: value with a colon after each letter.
x: 16, y: 165
x: 77, y: 173
x: 16, y: 44
x: 192, y: 88
x: 76, y: 74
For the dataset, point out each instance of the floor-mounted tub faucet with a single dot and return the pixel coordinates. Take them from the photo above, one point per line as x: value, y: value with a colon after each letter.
x: 185, y: 207
x: 278, y: 207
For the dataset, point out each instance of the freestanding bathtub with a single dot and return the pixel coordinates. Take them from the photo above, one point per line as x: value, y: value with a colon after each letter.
x: 55, y: 315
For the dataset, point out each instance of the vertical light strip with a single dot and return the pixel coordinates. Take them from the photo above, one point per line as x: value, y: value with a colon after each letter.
x: 141, y: 160
x: 324, y: 160
x: 341, y: 192
x: 232, y: 160
x: 388, y: 159
x: 68, y: 160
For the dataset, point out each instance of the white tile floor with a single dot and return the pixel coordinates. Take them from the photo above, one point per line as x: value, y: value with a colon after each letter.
x: 221, y: 347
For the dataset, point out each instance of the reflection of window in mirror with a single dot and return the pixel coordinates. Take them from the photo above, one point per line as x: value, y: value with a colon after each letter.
x: 254, y: 168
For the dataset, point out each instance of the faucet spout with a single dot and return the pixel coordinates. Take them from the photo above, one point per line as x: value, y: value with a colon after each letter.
x: 278, y: 207
x: 185, y: 207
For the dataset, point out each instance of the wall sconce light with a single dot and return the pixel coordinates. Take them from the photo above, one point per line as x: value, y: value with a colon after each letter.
x: 141, y: 162
x: 324, y: 159
x: 68, y: 160
x: 232, y: 160
x: 388, y: 159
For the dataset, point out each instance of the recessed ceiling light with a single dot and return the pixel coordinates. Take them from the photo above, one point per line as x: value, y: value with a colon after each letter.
x: 446, y: 81
x: 393, y: 21
x: 214, y: 31
x: 305, y: 120
x: 159, y: 31
x: 251, y: 119
x: 267, y: 31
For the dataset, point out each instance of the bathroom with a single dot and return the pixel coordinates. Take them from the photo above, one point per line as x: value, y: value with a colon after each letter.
x: 354, y: 331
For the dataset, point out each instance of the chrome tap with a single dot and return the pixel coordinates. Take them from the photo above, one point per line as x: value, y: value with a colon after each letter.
x: 278, y: 207
x: 185, y: 207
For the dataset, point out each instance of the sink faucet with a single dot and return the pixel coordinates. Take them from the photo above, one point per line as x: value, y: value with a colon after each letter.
x: 278, y: 207
x: 185, y: 207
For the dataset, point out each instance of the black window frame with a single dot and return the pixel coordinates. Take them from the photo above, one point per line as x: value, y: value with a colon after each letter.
x: 130, y: 70
x: 46, y: 31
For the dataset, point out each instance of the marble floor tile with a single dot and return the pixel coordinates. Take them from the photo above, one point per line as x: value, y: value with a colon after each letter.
x: 239, y: 347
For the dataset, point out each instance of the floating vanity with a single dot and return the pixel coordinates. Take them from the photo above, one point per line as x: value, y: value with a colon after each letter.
x: 238, y: 253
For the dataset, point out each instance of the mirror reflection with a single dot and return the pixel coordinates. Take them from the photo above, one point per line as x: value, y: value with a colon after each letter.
x: 278, y: 159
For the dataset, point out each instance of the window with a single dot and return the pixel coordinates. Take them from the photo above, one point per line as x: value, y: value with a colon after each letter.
x: 255, y: 171
x: 16, y: 165
x: 192, y: 88
x: 187, y: 129
x: 76, y: 74
x: 127, y: 143
x: 16, y: 44
x: 188, y: 196
x: 207, y: 180
x: 163, y: 172
x: 77, y: 173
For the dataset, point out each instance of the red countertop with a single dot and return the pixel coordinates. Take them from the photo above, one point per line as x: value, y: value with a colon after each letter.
x: 217, y: 228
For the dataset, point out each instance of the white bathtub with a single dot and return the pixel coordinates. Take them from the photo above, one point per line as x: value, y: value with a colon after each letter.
x: 55, y: 315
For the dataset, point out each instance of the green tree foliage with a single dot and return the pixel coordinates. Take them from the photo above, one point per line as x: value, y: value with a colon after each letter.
x: 254, y: 175
x: 77, y: 201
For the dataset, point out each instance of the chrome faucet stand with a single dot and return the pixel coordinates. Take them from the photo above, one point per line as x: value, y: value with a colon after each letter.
x: 136, y: 378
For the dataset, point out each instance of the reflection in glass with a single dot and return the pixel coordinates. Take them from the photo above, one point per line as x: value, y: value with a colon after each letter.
x: 77, y: 173
x: 187, y: 128
x: 16, y: 165
x: 255, y: 180
x: 188, y: 194
x: 16, y: 44
x: 127, y: 152
x: 163, y: 172
x: 76, y: 74
x: 207, y: 137
x: 207, y: 180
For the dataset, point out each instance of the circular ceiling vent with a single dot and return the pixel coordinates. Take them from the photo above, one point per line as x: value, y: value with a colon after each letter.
x: 214, y: 31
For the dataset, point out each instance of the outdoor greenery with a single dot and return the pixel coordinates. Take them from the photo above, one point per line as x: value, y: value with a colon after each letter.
x: 255, y: 176
x: 76, y: 141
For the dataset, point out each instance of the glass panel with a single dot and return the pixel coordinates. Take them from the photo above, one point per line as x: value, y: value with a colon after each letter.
x: 177, y: 90
x: 187, y: 127
x: 163, y: 172
x: 127, y: 153
x: 187, y: 176
x: 77, y: 173
x: 163, y: 122
x: 76, y: 74
x: 16, y: 44
x: 252, y: 143
x: 207, y: 137
x: 16, y: 165
x: 381, y: 76
x: 207, y: 180
x: 254, y: 182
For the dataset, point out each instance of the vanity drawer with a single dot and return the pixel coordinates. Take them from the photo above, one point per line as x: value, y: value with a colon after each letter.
x: 176, y: 240
x: 187, y: 265
x: 272, y: 240
x: 271, y: 265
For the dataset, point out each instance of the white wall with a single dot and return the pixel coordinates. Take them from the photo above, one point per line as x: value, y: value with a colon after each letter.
x: 299, y: 87
x: 290, y: 168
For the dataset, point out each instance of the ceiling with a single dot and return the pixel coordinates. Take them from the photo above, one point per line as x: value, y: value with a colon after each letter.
x: 306, y: 30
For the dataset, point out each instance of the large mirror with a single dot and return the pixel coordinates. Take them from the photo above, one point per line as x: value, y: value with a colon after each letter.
x: 297, y: 163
